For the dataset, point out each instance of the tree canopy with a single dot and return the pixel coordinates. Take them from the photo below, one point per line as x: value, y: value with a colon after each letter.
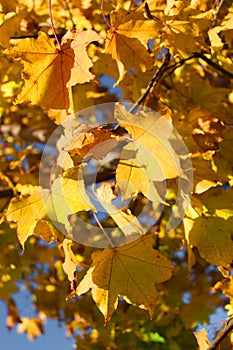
x: 116, y: 183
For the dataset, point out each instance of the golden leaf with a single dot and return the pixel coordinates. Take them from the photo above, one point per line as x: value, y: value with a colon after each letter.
x: 33, y: 327
x: 50, y: 73
x: 127, y: 51
x: 130, y: 271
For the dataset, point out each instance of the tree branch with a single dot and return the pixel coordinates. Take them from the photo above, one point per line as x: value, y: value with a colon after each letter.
x: 6, y: 192
x: 222, y: 335
x: 214, y: 65
x: 154, y: 81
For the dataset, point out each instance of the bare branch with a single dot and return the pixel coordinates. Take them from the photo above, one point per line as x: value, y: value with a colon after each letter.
x: 222, y: 335
x: 154, y: 81
x: 6, y: 192
x: 214, y: 65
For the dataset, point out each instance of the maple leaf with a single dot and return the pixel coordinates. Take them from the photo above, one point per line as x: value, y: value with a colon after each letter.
x: 128, y: 52
x: 67, y: 196
x: 136, y: 171
x: 130, y: 271
x: 11, y: 26
x: 149, y: 157
x: 219, y: 202
x: 126, y: 222
x: 205, y: 177
x: 26, y: 211
x: 32, y: 326
x: 50, y: 73
x: 70, y: 263
x: 92, y: 142
x: 224, y: 159
x: 180, y: 38
x: 47, y: 231
x: 212, y: 237
x: 202, y: 339
x: 135, y: 25
x: 214, y: 33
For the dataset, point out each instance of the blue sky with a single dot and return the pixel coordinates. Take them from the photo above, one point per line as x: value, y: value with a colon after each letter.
x: 54, y: 336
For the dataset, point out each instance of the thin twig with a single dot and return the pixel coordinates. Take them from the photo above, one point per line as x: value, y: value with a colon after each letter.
x: 149, y: 15
x: 52, y: 23
x: 176, y: 65
x: 220, y: 337
x: 218, y: 7
x: 103, y: 14
x: 154, y: 81
x: 70, y: 14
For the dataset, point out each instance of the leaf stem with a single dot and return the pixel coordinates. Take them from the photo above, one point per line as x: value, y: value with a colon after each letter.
x: 52, y: 24
x: 103, y: 230
x: 103, y: 14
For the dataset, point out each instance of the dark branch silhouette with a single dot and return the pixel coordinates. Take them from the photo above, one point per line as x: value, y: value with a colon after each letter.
x: 214, y: 65
x: 154, y: 81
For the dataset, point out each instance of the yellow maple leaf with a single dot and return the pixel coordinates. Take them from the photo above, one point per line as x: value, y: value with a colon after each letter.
x: 67, y: 196
x: 50, y: 73
x: 26, y: 211
x: 135, y: 24
x: 32, y: 326
x: 47, y: 231
x: 126, y: 222
x: 127, y: 51
x: 70, y: 263
x: 150, y: 156
x: 11, y: 27
x: 212, y: 237
x: 202, y: 339
x: 130, y: 271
